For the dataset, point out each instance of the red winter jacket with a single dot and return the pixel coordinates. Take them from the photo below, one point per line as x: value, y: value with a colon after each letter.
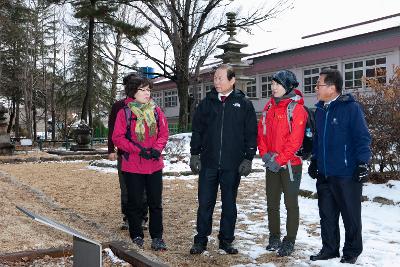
x: 135, y: 163
x: 278, y: 138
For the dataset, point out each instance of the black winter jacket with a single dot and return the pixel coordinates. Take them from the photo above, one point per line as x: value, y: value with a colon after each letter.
x: 224, y: 133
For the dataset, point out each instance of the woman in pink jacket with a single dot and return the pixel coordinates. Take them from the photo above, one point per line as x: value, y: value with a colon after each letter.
x: 142, y: 162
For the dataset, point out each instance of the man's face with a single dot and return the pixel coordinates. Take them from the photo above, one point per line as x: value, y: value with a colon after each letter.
x: 221, y: 82
x: 324, y: 91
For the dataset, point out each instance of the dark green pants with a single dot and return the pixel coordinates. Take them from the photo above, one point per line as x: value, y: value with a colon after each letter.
x: 276, y: 183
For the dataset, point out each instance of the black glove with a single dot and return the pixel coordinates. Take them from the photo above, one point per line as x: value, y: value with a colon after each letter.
x: 154, y: 153
x: 144, y: 154
x: 272, y: 165
x: 245, y: 167
x: 361, y: 173
x: 313, y: 169
x: 195, y: 164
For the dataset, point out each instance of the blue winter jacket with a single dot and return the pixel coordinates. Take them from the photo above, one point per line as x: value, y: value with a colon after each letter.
x: 342, y: 140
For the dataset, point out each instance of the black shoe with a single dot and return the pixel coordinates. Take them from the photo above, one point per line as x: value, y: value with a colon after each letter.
x: 321, y: 256
x: 138, y: 241
x: 348, y: 259
x: 227, y: 247
x: 158, y: 244
x: 197, y: 248
x: 274, y: 243
x: 286, y: 248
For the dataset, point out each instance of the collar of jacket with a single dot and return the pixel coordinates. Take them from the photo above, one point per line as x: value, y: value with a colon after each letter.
x: 235, y: 93
x: 341, y: 99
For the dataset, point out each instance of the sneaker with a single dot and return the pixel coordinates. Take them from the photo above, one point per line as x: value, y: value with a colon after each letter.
x: 138, y: 241
x: 286, y: 248
x: 125, y: 224
x: 227, y: 247
x: 274, y: 243
x: 197, y: 248
x: 158, y: 244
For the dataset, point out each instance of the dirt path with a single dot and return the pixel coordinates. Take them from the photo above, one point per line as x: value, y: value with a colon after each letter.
x: 88, y: 201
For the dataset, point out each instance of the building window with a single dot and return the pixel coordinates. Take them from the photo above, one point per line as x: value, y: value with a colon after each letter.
x: 266, y: 89
x: 251, y: 89
x: 208, y: 87
x: 311, y: 77
x: 157, y: 97
x: 170, y: 98
x: 370, y: 68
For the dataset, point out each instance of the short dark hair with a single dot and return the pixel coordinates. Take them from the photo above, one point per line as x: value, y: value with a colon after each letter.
x: 229, y: 70
x: 333, y: 77
x: 133, y: 82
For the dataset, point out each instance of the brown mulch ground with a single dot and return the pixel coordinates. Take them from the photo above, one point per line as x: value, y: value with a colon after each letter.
x: 88, y: 201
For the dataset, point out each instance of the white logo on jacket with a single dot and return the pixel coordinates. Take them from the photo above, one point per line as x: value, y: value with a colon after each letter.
x: 236, y: 105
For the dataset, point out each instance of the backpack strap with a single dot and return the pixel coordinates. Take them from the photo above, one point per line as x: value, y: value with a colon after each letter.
x: 289, y: 113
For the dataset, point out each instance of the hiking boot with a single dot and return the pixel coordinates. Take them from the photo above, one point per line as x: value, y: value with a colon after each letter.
x: 197, y: 248
x: 158, y: 244
x: 125, y: 224
x: 274, y: 243
x: 227, y: 247
x: 138, y: 241
x: 286, y: 248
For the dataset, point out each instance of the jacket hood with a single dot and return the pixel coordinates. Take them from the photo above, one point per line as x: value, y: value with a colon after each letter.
x: 341, y: 99
x: 298, y: 97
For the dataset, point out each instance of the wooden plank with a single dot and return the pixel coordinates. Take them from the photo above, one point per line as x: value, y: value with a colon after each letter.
x: 30, y: 255
x: 121, y: 250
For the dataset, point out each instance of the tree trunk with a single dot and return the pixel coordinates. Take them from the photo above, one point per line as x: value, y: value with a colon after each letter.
x: 12, y: 116
x: 114, y: 77
x: 16, y: 125
x: 53, y: 81
x: 89, y: 77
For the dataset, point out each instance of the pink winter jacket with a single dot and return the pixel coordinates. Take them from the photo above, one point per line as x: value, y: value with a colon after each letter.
x: 135, y: 163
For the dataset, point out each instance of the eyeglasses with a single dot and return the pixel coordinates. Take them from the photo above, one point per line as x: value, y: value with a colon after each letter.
x: 320, y: 85
x: 144, y: 90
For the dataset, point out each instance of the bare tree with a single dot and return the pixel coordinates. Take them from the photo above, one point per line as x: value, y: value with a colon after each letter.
x: 180, y: 26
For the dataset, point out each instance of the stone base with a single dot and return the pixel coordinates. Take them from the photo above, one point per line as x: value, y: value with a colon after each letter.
x: 72, y: 153
x: 6, y: 149
x: 81, y: 148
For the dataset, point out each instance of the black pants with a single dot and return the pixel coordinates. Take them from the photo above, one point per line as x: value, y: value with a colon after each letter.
x: 209, y: 179
x: 124, y: 193
x: 136, y: 185
x: 340, y: 196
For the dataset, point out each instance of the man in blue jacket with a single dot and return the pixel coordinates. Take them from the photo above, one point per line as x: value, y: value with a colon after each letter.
x: 223, y: 144
x: 341, y: 153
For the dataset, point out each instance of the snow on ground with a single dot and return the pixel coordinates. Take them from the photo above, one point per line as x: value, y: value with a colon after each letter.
x: 381, y: 223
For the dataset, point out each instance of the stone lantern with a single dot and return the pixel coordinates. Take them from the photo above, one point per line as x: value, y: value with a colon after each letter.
x: 6, y: 148
x: 83, y: 137
x: 232, y: 54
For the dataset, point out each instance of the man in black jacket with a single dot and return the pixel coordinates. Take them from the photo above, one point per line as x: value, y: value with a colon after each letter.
x: 223, y: 144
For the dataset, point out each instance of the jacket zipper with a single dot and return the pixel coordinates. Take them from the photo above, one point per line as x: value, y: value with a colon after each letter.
x: 222, y: 130
x: 345, y: 155
x: 326, y: 121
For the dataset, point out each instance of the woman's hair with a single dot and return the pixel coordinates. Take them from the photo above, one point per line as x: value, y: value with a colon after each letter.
x: 133, y: 82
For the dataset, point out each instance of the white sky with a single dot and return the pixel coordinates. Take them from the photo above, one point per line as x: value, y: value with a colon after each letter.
x: 306, y: 17
x: 313, y: 16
